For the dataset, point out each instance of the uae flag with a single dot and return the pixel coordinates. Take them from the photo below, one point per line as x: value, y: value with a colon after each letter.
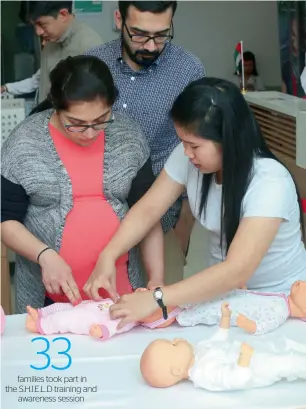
x: 237, y: 56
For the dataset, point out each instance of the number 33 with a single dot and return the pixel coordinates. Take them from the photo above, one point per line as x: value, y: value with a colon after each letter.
x: 44, y: 352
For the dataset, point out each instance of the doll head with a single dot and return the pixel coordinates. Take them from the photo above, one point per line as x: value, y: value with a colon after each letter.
x: 297, y: 299
x: 165, y: 363
x: 2, y: 320
x: 158, y: 315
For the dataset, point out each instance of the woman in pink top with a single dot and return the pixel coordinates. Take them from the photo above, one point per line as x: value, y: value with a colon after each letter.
x: 84, y: 166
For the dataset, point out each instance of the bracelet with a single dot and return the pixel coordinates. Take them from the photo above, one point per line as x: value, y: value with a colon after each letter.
x: 45, y: 249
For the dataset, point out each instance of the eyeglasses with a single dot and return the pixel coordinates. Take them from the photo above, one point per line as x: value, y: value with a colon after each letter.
x: 99, y: 126
x: 143, y: 39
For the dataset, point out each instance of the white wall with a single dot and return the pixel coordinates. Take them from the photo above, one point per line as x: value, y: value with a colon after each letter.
x: 211, y: 30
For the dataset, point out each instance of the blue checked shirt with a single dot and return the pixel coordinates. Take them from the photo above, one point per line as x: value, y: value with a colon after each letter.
x: 147, y: 97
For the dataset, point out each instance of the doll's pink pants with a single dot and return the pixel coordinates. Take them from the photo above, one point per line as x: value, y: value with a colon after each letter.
x: 65, y: 318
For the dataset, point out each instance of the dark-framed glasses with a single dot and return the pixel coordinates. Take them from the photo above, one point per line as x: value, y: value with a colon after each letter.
x: 158, y: 38
x: 98, y: 126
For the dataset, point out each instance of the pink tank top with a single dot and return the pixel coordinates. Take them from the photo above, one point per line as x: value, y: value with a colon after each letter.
x: 91, y: 222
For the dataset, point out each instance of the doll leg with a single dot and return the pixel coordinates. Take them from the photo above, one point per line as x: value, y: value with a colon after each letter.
x: 246, y: 353
x: 290, y: 366
x: 58, y: 306
x: 272, y: 367
x: 245, y: 323
x: 34, y: 315
x: 77, y: 320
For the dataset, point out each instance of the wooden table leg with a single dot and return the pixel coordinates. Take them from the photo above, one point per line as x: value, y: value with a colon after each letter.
x: 5, y: 282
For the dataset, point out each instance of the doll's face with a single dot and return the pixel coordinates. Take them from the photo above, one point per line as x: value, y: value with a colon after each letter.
x: 298, y: 295
x: 164, y: 363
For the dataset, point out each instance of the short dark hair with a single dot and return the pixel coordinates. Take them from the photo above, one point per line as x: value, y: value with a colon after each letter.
x: 38, y: 9
x: 155, y: 7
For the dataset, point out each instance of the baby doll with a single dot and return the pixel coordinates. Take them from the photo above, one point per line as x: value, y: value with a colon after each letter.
x: 255, y: 312
x: 2, y: 320
x: 88, y: 318
x: 218, y: 364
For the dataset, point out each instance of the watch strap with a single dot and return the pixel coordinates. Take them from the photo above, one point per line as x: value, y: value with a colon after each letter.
x: 161, y: 303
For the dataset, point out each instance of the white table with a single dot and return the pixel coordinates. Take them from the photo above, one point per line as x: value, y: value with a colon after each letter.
x: 113, y: 367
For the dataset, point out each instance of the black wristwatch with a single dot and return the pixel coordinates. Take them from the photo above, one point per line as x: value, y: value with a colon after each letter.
x: 158, y: 296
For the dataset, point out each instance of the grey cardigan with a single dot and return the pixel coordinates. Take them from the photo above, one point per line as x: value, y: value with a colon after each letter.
x: 29, y: 158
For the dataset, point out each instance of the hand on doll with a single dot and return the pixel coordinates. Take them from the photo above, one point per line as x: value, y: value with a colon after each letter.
x: 57, y: 276
x: 133, y: 307
x: 103, y: 276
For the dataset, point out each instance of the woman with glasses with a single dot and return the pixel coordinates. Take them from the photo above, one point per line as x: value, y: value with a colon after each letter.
x: 69, y: 175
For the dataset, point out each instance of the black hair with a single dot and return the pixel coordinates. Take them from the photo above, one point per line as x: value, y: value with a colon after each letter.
x: 155, y: 7
x: 215, y: 109
x: 248, y: 56
x: 37, y: 9
x: 79, y: 78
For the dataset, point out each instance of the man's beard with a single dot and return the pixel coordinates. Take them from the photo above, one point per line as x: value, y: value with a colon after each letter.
x: 143, y: 58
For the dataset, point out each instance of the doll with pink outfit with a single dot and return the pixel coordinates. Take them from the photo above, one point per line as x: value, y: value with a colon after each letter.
x: 255, y: 312
x: 88, y: 318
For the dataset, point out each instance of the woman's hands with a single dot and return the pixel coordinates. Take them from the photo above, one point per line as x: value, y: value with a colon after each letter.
x: 103, y: 276
x: 57, y: 276
x: 133, y: 307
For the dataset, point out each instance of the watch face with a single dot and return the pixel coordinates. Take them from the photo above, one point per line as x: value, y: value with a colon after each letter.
x: 158, y: 294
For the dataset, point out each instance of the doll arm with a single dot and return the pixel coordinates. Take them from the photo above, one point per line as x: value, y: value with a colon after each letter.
x: 222, y: 332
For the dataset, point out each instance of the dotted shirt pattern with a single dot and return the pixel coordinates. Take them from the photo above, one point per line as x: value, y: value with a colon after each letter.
x: 269, y: 311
